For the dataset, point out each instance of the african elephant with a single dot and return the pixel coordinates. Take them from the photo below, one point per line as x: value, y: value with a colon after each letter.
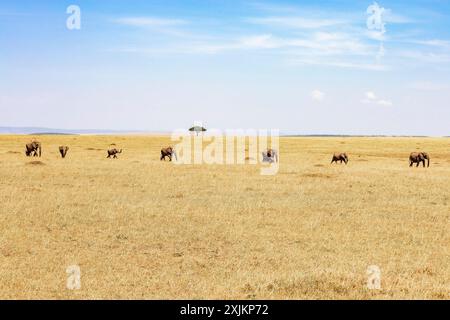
x: 168, y: 152
x: 63, y: 150
x: 340, y: 157
x: 113, y: 153
x: 270, y: 155
x: 418, y: 157
x: 32, y: 148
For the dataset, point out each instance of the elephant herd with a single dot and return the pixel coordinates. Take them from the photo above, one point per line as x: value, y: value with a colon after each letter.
x: 34, y: 149
x: 414, y: 157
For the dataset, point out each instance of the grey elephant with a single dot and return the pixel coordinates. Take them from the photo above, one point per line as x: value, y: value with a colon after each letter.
x: 63, y: 151
x: 168, y: 152
x: 32, y: 149
x: 113, y: 153
x: 419, y: 157
x: 342, y: 157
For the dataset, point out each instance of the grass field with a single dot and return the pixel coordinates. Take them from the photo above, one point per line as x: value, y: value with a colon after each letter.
x: 141, y: 228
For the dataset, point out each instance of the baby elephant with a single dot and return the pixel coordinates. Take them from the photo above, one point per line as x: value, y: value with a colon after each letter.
x: 113, y: 153
x: 340, y: 157
x: 168, y: 152
x: 63, y: 150
x: 418, y: 157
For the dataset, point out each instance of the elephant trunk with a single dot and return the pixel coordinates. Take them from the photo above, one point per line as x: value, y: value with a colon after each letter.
x: 428, y: 161
x: 40, y: 150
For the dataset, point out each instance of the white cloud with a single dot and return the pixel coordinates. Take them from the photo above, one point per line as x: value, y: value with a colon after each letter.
x: 385, y: 103
x: 317, y: 95
x: 371, y: 98
x: 370, y: 95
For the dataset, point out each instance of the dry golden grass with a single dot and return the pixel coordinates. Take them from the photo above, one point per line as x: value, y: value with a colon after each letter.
x: 141, y: 228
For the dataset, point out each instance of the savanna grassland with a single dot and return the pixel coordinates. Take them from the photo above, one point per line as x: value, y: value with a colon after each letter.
x: 142, y: 228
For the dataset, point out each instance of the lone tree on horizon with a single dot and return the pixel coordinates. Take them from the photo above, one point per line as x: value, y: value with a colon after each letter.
x: 197, y: 129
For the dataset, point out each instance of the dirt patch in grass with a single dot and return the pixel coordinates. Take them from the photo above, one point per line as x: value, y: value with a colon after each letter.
x: 317, y: 175
x: 36, y: 163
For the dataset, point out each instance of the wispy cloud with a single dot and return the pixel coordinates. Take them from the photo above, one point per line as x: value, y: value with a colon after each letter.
x: 419, y: 56
x: 150, y: 22
x: 320, y: 43
x: 339, y: 64
x: 297, y: 36
x: 443, y: 44
x: 393, y: 18
x: 167, y: 26
x: 295, y: 22
x: 429, y: 86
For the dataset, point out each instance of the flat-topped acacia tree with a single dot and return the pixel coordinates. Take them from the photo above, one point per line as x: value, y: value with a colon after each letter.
x: 197, y: 129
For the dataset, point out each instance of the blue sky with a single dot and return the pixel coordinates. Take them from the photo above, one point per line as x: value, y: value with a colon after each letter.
x: 292, y: 65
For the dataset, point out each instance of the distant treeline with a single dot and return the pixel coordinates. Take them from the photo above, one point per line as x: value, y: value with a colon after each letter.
x: 351, y: 136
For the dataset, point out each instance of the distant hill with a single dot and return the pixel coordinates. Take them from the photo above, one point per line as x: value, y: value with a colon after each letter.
x: 49, y: 131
